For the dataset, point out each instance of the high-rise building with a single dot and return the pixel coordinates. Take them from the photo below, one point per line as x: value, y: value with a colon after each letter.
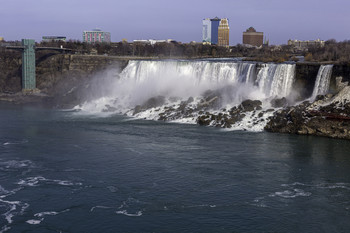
x: 211, y: 30
x: 252, y: 37
x: 206, y: 30
x: 224, y: 33
x: 96, y: 35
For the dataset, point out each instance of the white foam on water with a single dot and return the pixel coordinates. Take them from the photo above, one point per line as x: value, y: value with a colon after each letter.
x: 16, y: 208
x: 16, y: 164
x: 41, y: 216
x: 199, y: 206
x: 125, y: 212
x: 37, y: 180
x: 294, y: 184
x: 46, y: 213
x: 66, y: 183
x: 5, y: 228
x: 339, y: 185
x: 31, y: 181
x: 291, y: 193
x: 15, y: 142
x: 345, y: 186
x: 131, y: 207
x: 34, y: 221
x: 3, y: 191
x: 99, y: 207
x: 13, y: 210
x: 9, y: 215
x: 259, y: 202
x: 294, y: 189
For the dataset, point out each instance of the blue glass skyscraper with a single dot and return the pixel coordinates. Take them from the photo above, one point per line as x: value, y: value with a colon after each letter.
x: 210, y: 30
x: 215, y: 30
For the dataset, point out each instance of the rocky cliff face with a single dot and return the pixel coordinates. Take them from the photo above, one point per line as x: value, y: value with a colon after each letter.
x: 10, y: 72
x: 55, y: 71
x: 60, y: 77
x: 305, y: 77
x: 328, y: 116
x: 67, y: 77
x: 306, y: 74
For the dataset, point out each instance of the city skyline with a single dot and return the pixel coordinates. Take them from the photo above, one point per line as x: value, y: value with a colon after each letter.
x: 180, y: 20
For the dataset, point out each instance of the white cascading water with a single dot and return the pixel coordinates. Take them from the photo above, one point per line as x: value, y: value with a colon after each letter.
x: 322, y: 81
x: 179, y: 80
x: 276, y: 79
x: 196, y: 71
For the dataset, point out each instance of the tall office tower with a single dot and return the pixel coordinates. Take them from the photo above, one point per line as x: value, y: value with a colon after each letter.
x: 210, y: 30
x: 206, y: 30
x: 224, y: 33
x: 252, y: 37
x: 96, y: 35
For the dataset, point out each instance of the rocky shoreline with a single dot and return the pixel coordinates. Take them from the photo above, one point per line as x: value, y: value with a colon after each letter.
x: 22, y: 98
x: 328, y: 115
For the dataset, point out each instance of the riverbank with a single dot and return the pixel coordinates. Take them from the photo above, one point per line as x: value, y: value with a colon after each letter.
x: 23, y: 98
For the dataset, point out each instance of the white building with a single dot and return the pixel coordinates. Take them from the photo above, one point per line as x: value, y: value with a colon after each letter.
x: 304, y: 44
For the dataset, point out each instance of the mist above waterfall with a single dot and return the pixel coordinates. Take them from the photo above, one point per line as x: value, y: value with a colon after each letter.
x: 142, y: 80
x: 184, y: 79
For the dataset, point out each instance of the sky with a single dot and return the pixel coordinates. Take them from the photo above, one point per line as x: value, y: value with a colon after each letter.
x: 180, y: 20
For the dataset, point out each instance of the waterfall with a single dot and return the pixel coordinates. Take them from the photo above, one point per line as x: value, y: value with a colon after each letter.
x: 276, y: 79
x: 196, y: 71
x: 183, y: 90
x: 173, y: 82
x: 322, y: 81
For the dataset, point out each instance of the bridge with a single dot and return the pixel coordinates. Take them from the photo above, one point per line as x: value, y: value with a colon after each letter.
x: 28, y: 49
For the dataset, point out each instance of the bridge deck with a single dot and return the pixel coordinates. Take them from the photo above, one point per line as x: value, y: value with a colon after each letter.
x: 40, y: 48
x: 55, y: 49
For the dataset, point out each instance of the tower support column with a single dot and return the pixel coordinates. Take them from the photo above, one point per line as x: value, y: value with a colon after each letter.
x: 28, y: 64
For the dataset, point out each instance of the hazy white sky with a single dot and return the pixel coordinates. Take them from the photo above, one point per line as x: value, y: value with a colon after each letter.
x: 181, y: 20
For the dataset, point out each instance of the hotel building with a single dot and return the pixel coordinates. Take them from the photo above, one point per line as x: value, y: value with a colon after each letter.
x: 252, y: 37
x: 96, y: 36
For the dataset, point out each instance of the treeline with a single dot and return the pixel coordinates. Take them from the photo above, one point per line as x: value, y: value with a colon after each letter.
x: 139, y: 49
x: 332, y: 51
x: 177, y: 50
